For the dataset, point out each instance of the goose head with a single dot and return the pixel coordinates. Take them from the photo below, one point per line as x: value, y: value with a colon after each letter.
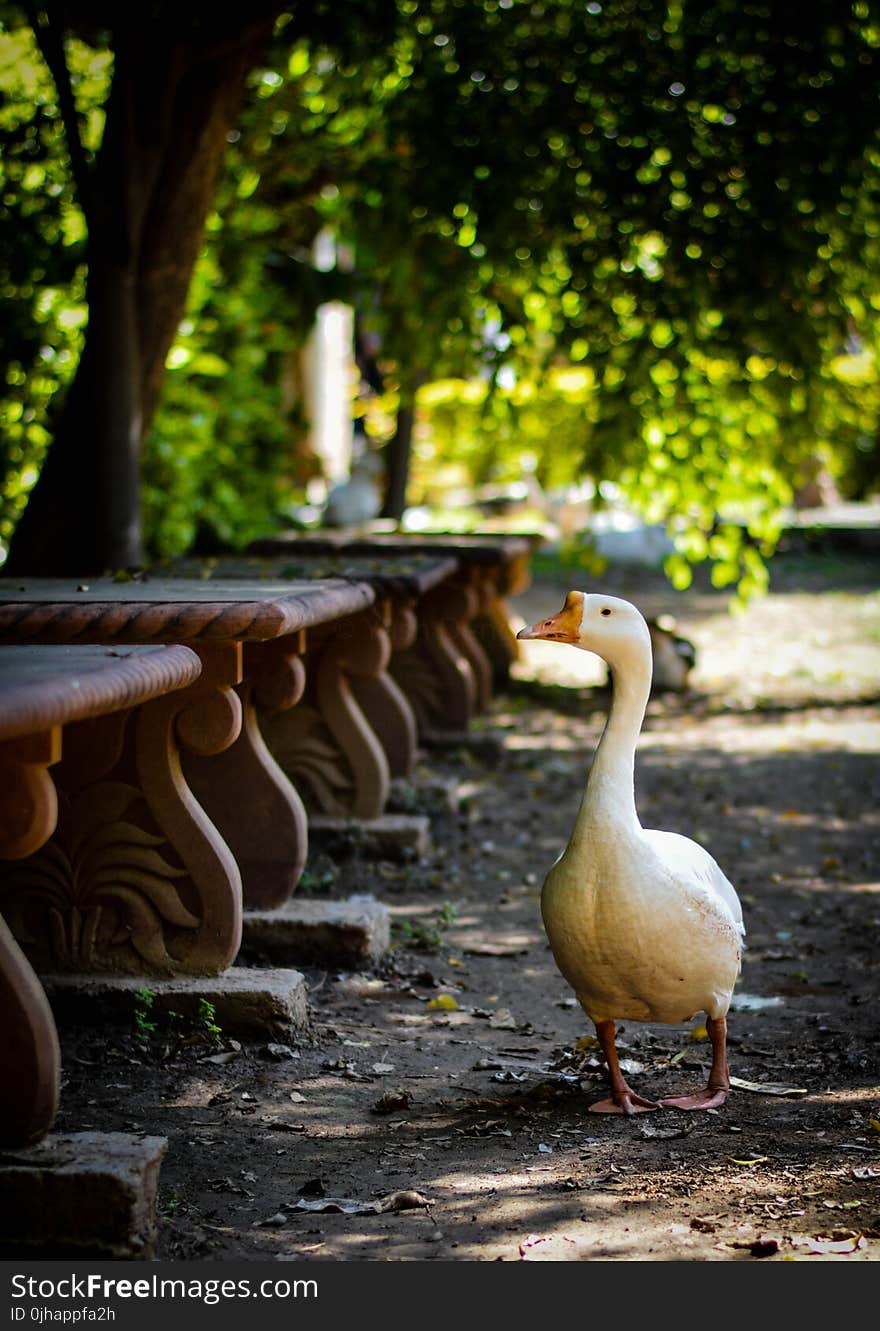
x: 612, y: 628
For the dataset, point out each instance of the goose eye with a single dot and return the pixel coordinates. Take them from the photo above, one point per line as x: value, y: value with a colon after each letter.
x: 605, y: 610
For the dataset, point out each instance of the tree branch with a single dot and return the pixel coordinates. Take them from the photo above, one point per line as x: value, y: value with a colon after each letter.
x: 51, y: 44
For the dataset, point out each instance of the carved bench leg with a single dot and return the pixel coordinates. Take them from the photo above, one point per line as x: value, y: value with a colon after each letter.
x: 245, y: 791
x: 326, y: 744
x: 436, y: 673
x: 28, y: 800
x: 384, y: 703
x: 136, y: 879
x: 498, y: 640
x: 30, y: 1062
x: 491, y: 625
x: 460, y: 628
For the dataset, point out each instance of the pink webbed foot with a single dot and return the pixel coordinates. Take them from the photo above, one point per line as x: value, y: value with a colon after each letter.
x: 718, y: 1089
x: 711, y: 1098
x: 624, y: 1102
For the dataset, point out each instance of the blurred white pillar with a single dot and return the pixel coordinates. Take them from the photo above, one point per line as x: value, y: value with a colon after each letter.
x: 331, y: 375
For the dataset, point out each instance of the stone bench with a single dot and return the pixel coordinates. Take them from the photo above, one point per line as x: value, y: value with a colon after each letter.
x: 216, y: 808
x: 44, y: 693
x: 493, y: 565
x: 464, y: 645
x: 399, y: 666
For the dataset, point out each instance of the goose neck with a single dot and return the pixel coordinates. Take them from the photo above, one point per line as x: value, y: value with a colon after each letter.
x: 610, y: 792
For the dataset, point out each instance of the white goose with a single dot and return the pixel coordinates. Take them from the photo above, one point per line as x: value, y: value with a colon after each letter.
x: 643, y: 925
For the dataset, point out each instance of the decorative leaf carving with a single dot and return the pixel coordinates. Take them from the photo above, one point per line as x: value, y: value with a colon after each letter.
x: 102, y: 876
x: 304, y: 747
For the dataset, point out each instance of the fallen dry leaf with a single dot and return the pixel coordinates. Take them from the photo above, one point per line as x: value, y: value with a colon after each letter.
x: 345, y: 1205
x: 757, y: 1247
x: 587, y: 1042
x: 392, y: 1101
x: 281, y: 1052
x: 648, y: 1129
x: 405, y: 1200
x: 839, y: 1241
x: 515, y: 947
x: 754, y: 1002
x: 755, y: 1160
x: 768, y: 1087
x: 443, y: 1003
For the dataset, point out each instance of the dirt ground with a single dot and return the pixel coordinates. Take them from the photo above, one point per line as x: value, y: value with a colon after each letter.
x: 462, y: 1069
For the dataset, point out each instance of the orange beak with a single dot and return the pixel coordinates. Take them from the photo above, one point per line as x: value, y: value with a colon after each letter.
x: 564, y: 627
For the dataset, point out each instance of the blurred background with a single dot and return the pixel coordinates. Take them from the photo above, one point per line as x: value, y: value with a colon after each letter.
x: 608, y: 271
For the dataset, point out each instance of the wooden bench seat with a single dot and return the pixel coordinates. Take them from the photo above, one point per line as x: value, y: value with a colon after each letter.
x: 44, y: 691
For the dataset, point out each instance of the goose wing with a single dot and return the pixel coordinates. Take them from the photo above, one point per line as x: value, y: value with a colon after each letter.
x: 689, y: 862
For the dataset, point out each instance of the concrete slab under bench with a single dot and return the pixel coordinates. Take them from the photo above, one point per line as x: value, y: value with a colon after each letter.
x: 393, y: 836
x: 245, y: 1001
x: 350, y: 933
x: 485, y: 745
x: 83, y: 1195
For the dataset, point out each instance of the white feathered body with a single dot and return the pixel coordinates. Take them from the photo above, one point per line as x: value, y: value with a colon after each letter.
x: 643, y: 925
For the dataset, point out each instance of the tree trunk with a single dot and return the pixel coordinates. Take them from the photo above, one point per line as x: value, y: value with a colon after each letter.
x: 399, y: 451
x: 170, y: 109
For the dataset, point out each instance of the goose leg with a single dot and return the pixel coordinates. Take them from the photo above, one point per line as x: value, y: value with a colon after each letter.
x: 623, y: 1100
x: 716, y: 1091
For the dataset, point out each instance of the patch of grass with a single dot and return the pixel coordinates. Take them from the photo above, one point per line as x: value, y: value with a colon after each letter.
x: 319, y: 876
x: 426, y: 935
x: 144, y: 1028
x: 203, y: 1023
x: 207, y: 1019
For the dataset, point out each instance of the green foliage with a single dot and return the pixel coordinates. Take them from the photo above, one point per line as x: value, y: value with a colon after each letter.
x: 143, y: 1006
x: 713, y: 451
x: 426, y: 935
x: 320, y: 875
x: 42, y: 272
x: 219, y: 457
x: 654, y: 226
x: 642, y: 237
x: 203, y: 1024
x: 207, y: 1019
